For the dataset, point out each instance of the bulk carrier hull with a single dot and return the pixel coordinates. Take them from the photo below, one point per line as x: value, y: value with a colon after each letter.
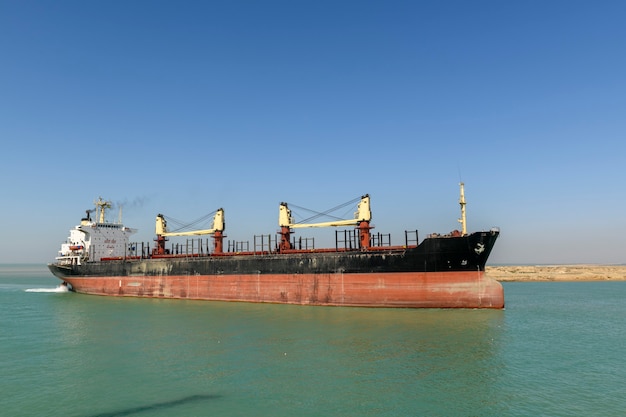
x: 440, y: 272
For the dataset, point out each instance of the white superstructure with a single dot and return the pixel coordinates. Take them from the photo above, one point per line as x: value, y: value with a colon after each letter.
x: 94, y: 240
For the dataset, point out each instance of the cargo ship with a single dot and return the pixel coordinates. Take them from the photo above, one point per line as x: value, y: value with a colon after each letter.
x: 363, y: 269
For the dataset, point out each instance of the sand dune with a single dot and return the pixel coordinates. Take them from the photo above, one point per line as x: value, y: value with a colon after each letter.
x: 558, y: 273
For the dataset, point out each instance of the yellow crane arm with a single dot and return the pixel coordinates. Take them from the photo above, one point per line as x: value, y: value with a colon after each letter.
x: 337, y: 223
x: 363, y: 214
x: 218, y: 225
x: 192, y: 233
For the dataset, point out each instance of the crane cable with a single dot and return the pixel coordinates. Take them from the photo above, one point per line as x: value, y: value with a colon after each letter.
x: 182, y: 226
x: 325, y: 213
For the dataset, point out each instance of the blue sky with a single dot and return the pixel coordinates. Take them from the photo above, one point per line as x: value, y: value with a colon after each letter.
x: 184, y: 107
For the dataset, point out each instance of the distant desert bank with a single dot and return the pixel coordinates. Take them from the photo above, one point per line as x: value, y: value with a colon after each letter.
x: 557, y: 273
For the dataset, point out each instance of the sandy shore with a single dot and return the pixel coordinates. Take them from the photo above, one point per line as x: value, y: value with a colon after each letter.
x: 558, y: 273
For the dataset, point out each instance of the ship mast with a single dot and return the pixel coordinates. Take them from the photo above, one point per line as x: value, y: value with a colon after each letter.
x: 463, y: 219
x: 101, y: 206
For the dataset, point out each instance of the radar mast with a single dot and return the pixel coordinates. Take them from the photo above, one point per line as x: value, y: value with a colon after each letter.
x: 463, y: 219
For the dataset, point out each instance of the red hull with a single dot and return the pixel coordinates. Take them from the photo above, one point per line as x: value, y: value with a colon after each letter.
x: 409, y: 289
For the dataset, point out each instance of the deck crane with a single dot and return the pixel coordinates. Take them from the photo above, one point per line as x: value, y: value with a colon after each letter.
x: 361, y: 219
x: 216, y: 230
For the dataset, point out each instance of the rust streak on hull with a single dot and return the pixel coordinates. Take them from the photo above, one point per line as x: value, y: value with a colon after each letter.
x: 459, y: 289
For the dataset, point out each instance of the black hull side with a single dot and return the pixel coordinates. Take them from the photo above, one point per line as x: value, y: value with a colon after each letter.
x: 437, y: 254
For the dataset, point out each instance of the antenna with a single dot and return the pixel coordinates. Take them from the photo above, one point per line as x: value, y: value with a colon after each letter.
x: 463, y: 219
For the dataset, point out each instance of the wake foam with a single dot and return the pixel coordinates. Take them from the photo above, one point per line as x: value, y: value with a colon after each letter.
x: 61, y: 288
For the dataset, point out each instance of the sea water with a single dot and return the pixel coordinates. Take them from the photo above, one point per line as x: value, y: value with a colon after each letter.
x: 558, y: 349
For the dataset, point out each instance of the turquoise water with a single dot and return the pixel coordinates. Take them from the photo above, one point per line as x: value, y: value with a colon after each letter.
x: 557, y: 350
